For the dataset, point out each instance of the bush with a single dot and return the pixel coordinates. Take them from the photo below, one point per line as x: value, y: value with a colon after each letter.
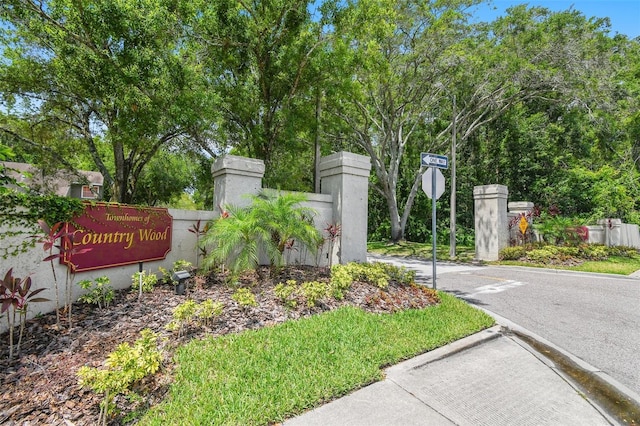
x: 512, y: 253
x: 273, y: 221
x: 287, y: 293
x: 378, y: 273
x: 594, y: 252
x: 148, y: 281
x: 623, y: 251
x: 101, y: 293
x: 209, y: 310
x: 190, y: 312
x: 178, y: 265
x: 313, y: 291
x: 542, y: 255
x: 341, y: 280
x: 245, y: 298
x: 342, y: 276
x: 125, y: 366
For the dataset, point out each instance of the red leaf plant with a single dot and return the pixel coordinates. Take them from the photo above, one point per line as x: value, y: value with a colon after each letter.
x: 16, y: 294
x: 57, y: 236
x: 333, y: 231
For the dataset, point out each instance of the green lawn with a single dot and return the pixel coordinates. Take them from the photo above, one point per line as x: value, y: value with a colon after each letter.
x: 422, y: 250
x: 613, y: 265
x: 268, y: 375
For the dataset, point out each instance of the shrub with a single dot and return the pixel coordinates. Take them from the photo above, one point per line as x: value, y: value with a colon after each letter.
x: 189, y: 311
x: 623, y: 251
x: 567, y: 252
x: 245, y: 298
x: 124, y: 367
x: 100, y: 293
x: 209, y: 309
x: 148, y: 281
x: 341, y: 280
x: 556, y: 229
x: 287, y: 293
x: 15, y: 295
x: 512, y: 253
x: 594, y: 252
x: 542, y: 255
x: 272, y: 221
x: 313, y: 291
x: 378, y: 273
x: 182, y: 265
x: 183, y: 314
x: 400, y: 274
x: 178, y: 265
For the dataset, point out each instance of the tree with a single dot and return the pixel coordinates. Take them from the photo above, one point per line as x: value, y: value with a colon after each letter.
x: 98, y: 71
x: 166, y: 178
x: 258, y: 56
x: 288, y: 222
x: 396, y: 60
x: 409, y: 59
x: 569, y: 85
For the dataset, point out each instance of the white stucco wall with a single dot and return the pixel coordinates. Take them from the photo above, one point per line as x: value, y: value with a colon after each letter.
x: 343, y: 203
x: 183, y: 246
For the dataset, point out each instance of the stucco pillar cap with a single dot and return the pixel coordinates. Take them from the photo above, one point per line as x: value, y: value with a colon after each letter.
x: 233, y: 164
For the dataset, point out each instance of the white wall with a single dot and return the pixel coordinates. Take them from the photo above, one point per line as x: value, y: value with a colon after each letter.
x: 183, y: 246
x: 343, y: 202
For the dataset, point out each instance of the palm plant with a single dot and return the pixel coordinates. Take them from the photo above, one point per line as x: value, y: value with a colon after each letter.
x: 234, y: 240
x: 271, y: 223
x: 286, y: 221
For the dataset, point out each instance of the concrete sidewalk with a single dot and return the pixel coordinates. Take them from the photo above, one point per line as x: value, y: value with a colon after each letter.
x: 490, y: 378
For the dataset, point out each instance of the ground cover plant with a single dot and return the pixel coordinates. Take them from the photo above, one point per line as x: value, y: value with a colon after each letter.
x: 581, y: 257
x: 41, y: 385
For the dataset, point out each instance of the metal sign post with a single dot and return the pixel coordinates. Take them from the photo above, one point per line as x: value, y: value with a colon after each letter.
x: 433, y: 228
x: 433, y: 186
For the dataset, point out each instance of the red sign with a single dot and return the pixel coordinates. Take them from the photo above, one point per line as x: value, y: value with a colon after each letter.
x: 117, y: 235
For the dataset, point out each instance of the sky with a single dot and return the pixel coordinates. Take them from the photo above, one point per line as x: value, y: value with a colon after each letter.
x: 624, y: 14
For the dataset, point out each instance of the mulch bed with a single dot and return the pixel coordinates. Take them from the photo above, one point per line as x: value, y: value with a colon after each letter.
x: 40, y: 385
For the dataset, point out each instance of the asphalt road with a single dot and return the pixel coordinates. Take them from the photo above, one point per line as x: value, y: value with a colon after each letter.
x: 595, y: 317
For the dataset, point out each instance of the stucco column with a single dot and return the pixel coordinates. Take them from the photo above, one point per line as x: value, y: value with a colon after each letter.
x: 491, y: 222
x: 516, y: 209
x: 612, y: 231
x: 233, y: 178
x: 345, y: 176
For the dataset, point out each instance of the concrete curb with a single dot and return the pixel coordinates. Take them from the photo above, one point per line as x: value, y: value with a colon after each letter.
x: 447, y: 350
x: 569, y: 272
x: 520, y: 332
x: 578, y: 361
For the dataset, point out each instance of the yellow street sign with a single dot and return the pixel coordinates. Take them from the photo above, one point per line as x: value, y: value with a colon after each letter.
x: 524, y: 224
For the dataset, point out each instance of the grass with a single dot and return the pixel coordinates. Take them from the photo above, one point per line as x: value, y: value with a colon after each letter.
x: 268, y: 375
x: 612, y: 265
x: 422, y: 250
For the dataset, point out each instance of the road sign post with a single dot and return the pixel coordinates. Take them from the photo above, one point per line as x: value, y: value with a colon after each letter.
x: 433, y: 228
x: 433, y: 186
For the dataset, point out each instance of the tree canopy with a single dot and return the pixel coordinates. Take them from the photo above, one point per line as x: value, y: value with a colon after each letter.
x: 149, y: 92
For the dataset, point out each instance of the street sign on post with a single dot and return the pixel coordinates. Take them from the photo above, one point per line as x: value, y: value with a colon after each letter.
x: 434, y: 160
x: 427, y: 183
x: 433, y: 186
